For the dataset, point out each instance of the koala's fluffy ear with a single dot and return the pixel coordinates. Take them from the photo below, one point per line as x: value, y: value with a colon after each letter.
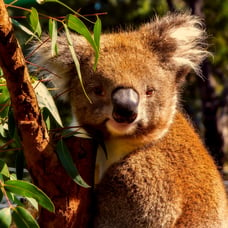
x: 58, y: 69
x: 179, y: 40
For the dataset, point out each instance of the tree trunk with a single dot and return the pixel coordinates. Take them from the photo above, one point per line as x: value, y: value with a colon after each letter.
x: 71, y: 201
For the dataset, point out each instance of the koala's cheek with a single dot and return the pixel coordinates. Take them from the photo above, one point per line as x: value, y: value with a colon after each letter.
x: 96, y: 115
x: 145, y: 113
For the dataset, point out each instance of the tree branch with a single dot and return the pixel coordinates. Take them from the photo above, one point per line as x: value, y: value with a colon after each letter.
x: 71, y: 201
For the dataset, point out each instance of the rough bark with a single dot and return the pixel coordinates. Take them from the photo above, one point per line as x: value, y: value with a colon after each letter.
x: 71, y: 201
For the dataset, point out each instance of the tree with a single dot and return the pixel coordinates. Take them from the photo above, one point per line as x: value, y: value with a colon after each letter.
x: 38, y: 146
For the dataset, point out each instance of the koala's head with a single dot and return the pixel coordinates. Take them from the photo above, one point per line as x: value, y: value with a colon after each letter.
x: 135, y: 87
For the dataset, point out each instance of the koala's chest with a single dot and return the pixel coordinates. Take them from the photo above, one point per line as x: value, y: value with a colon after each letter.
x: 116, y: 150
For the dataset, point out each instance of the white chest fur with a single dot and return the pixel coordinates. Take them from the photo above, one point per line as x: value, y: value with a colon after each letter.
x: 116, y: 149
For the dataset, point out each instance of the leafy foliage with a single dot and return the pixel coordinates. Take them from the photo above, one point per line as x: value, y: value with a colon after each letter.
x: 34, y: 22
x: 10, y: 187
x: 14, y: 210
x: 68, y: 164
x: 46, y: 101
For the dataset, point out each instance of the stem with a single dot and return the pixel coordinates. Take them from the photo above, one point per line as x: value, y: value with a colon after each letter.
x: 7, y: 143
x: 75, y: 12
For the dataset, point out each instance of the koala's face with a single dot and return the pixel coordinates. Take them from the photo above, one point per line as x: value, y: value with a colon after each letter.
x: 131, y: 92
x: 134, y: 88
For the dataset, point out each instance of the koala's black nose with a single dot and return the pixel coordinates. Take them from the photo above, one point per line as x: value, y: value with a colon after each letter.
x: 125, y: 104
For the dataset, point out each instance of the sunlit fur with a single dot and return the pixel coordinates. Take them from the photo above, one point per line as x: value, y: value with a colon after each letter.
x: 158, y: 172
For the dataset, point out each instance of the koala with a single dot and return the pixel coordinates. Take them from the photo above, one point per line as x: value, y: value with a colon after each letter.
x: 158, y: 172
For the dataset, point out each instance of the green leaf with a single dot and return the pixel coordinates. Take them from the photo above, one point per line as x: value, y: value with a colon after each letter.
x: 68, y: 164
x: 33, y: 202
x: 4, y: 93
x: 46, y: 116
x: 2, y: 131
x: 1, y: 72
x: 5, y: 217
x: 16, y: 200
x: 5, y: 108
x: 27, y: 189
x: 4, y: 99
x: 97, y: 34
x: 33, y: 18
x: 45, y: 100
x: 4, y: 170
x: 53, y: 34
x: 10, y: 195
x: 78, y: 26
x: 23, y: 218
x: 76, y: 62
x: 24, y: 29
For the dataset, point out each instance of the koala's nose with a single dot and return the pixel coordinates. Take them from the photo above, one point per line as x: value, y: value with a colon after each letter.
x: 125, y: 105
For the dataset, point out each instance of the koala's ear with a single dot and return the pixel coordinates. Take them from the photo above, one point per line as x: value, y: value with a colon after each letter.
x: 179, y: 40
x: 58, y: 69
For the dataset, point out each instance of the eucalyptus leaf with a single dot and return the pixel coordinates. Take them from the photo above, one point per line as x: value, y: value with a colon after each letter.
x: 2, y: 131
x: 45, y: 100
x: 4, y: 99
x: 97, y: 34
x: 23, y: 218
x: 27, y: 189
x: 1, y: 72
x: 53, y: 34
x: 4, y: 170
x: 46, y: 117
x: 68, y: 164
x: 34, y: 22
x: 78, y: 26
x: 17, y: 200
x: 24, y: 29
x: 75, y: 59
x: 33, y: 202
x: 5, y: 217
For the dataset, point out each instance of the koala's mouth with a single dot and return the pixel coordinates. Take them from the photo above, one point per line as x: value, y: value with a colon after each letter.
x: 116, y: 128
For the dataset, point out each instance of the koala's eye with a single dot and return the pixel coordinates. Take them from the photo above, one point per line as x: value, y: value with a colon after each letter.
x: 150, y: 92
x: 99, y: 91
